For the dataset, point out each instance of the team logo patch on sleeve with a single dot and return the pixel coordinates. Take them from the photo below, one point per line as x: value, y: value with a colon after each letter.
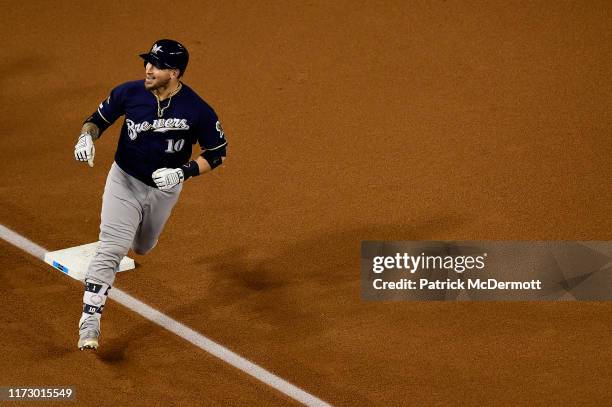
x: 219, y: 129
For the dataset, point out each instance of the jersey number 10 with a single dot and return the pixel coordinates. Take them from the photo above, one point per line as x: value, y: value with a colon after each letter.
x: 174, y: 146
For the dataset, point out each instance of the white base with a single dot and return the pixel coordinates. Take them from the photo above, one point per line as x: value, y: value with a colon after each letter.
x: 74, y: 261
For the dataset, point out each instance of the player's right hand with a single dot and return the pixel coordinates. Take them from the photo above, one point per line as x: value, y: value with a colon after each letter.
x: 84, y: 149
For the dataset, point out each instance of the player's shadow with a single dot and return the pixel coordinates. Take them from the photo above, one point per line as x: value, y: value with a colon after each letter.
x: 113, y: 350
x: 281, y: 286
x: 323, y: 257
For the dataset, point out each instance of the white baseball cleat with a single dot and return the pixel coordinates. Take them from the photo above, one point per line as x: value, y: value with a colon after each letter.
x: 88, y: 340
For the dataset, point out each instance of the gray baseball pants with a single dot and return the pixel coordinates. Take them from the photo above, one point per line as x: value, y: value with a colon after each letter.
x: 133, y: 216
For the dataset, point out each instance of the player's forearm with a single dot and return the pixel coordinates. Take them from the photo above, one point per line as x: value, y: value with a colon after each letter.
x: 204, y: 165
x: 91, y: 129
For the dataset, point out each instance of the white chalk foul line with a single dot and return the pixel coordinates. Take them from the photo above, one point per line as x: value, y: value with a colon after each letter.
x: 21, y: 242
x: 181, y: 330
x: 215, y: 349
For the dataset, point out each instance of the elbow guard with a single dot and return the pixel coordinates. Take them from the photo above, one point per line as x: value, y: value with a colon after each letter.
x: 215, y: 157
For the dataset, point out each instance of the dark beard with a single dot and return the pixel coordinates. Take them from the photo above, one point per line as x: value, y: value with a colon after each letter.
x: 160, y: 85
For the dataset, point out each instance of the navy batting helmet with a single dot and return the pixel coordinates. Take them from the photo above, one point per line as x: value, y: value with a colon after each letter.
x: 167, y: 54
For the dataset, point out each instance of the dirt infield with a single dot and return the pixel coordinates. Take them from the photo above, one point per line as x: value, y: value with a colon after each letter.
x: 346, y: 121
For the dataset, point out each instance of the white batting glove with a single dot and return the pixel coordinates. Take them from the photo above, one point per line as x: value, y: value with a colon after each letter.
x: 84, y: 149
x: 166, y: 178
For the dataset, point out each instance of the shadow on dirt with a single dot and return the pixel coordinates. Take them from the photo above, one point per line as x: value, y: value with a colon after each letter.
x: 322, y: 258
x: 281, y: 285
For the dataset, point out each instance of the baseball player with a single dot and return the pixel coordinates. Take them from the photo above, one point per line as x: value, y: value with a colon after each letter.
x: 163, y: 119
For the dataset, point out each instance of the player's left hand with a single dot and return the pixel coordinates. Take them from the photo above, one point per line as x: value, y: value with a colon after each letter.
x: 166, y: 178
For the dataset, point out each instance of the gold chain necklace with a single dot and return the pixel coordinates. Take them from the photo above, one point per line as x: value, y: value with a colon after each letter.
x: 160, y: 111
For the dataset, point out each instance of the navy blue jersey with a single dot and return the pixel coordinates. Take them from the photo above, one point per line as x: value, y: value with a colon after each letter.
x: 149, y: 142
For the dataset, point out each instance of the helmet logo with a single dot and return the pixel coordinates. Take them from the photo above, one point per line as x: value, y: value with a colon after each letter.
x: 155, y: 49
